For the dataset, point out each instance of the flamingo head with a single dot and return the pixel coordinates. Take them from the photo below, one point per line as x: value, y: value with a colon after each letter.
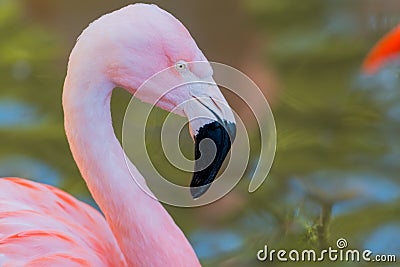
x: 147, y: 51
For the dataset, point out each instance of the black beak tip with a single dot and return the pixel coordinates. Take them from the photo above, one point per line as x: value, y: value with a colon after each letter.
x: 222, y: 136
x: 231, y: 128
x: 197, y: 192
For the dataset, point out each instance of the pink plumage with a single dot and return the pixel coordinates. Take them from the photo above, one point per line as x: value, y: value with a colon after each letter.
x: 41, y: 225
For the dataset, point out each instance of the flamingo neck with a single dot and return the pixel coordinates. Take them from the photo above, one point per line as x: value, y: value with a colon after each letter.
x: 145, y: 232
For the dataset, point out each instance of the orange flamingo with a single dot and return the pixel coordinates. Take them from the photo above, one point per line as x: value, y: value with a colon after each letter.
x: 384, y: 51
x: 43, y: 226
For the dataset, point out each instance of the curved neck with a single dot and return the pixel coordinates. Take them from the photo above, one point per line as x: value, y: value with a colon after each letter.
x: 145, y: 232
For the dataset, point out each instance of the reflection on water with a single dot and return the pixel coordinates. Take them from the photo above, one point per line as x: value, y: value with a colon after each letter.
x: 357, y: 189
x: 383, y: 85
x: 384, y: 239
x: 15, y: 114
x: 21, y: 166
x: 212, y: 244
x: 336, y: 172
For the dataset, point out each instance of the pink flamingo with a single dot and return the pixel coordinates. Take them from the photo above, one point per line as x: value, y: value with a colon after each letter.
x: 384, y: 51
x: 43, y: 226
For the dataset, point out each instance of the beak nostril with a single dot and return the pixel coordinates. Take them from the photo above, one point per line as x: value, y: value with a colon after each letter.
x: 216, y: 104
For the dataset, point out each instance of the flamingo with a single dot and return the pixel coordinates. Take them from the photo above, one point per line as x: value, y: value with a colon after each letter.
x: 41, y: 225
x: 385, y: 50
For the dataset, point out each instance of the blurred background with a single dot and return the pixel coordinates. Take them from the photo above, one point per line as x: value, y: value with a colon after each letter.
x: 336, y: 171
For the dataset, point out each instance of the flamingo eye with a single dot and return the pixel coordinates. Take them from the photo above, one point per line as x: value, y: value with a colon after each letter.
x: 181, y: 65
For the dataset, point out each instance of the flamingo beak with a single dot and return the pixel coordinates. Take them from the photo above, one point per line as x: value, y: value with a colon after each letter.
x: 213, y: 129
